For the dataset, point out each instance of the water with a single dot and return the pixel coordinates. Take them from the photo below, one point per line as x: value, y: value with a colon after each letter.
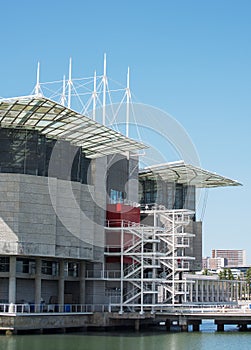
x: 206, y: 339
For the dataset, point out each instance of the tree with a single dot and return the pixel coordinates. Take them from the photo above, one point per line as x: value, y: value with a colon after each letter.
x: 230, y: 275
x: 248, y: 280
x: 205, y: 272
x: 226, y: 274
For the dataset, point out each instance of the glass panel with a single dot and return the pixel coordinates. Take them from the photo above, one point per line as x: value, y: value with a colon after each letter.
x: 73, y: 269
x: 116, y: 196
x: 28, y: 152
x: 4, y: 264
x: 24, y: 265
x: 50, y: 268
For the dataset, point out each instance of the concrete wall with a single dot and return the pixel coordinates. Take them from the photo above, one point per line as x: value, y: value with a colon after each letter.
x: 71, y: 292
x: 98, y: 170
x: 25, y: 290
x: 195, y: 249
x: 4, y: 290
x: 42, y: 216
x: 95, y: 292
x: 122, y: 175
x: 132, y: 186
x: 49, y: 289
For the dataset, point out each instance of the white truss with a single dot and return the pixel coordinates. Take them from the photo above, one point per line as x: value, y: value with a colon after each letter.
x: 152, y: 260
x: 97, y: 97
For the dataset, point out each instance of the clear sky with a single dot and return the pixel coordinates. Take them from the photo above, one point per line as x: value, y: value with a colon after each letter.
x: 190, y: 58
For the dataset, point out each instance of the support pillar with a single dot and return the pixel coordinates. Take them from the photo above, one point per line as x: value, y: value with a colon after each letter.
x: 207, y: 291
x: 82, y: 282
x: 243, y: 327
x: 183, y: 323
x: 196, y: 326
x: 220, y: 327
x: 191, y: 293
x: 196, y: 291
x: 38, y: 282
x: 61, y: 286
x: 202, y: 291
x: 184, y: 328
x: 137, y: 325
x: 12, y: 280
x: 218, y: 291
x: 168, y: 325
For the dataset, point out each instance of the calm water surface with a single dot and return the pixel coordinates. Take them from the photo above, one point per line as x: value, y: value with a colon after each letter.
x: 207, y: 339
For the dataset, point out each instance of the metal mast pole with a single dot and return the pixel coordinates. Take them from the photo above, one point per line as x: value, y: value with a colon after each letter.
x: 37, y: 88
x: 104, y: 89
x: 122, y: 268
x: 63, y: 93
x: 154, y: 258
x: 173, y: 258
x: 69, y: 84
x: 94, y: 96
x: 142, y: 273
x: 128, y: 96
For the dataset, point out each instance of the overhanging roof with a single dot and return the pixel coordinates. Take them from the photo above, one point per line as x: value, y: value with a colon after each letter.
x: 59, y: 122
x: 188, y: 174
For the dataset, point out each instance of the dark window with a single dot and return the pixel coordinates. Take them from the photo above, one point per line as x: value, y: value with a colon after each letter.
x: 179, y: 197
x: 4, y: 264
x: 148, y: 191
x: 28, y: 152
x: 116, y: 197
x: 50, y: 268
x: 73, y: 269
x: 24, y: 265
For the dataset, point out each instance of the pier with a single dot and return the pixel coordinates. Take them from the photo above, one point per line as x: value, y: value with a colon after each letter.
x: 194, y: 317
x: 15, y: 319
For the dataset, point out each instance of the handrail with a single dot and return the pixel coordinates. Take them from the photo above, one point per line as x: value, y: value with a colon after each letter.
x: 29, y: 308
x: 227, y: 308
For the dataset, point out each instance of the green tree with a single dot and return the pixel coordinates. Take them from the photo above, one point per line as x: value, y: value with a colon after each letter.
x: 221, y: 275
x: 205, y: 272
x: 230, y: 275
x: 226, y: 274
x: 248, y: 280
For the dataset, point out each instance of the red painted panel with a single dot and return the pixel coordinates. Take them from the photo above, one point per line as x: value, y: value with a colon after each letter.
x: 117, y: 212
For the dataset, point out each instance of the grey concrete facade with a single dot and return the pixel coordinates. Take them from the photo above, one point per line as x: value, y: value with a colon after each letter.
x: 50, y: 224
x: 49, y: 218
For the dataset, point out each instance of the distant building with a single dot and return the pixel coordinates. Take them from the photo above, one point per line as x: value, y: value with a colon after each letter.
x: 216, y: 263
x: 204, y: 263
x: 213, y: 263
x: 234, y: 257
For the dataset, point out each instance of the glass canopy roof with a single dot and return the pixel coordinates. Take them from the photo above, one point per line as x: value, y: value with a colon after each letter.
x: 59, y: 122
x: 187, y: 174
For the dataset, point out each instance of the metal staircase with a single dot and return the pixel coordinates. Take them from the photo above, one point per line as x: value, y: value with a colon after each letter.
x: 150, y: 260
x: 174, y: 262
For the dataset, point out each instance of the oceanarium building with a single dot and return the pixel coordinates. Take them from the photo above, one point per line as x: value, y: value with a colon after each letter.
x: 76, y: 227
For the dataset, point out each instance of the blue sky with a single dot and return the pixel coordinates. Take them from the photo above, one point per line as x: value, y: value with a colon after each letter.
x: 190, y: 58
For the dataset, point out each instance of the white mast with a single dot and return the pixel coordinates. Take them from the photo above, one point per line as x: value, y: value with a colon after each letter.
x: 94, y: 96
x: 63, y: 97
x: 69, y: 84
x: 128, y: 96
x: 104, y: 89
x: 37, y: 87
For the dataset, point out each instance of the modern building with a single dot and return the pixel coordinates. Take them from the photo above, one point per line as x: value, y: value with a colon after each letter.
x: 234, y: 257
x: 75, y: 227
x: 213, y: 263
x: 212, y: 290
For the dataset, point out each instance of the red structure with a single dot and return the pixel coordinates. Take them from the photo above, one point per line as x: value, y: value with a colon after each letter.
x: 117, y: 215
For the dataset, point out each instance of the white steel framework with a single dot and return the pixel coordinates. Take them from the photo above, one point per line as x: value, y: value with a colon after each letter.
x: 91, y: 96
x: 150, y: 260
